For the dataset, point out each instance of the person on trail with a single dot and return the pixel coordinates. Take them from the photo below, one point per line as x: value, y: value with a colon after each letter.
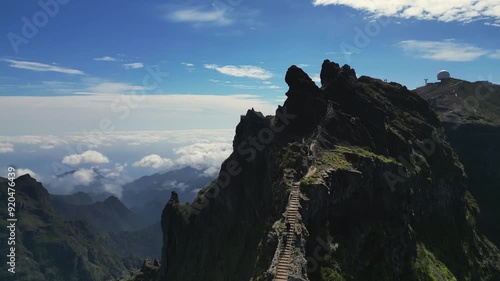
x: 287, y: 226
x: 310, y: 159
x: 284, y: 239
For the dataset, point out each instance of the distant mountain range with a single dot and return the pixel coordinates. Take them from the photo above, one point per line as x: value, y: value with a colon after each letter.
x: 148, y: 195
x: 51, y: 249
x: 186, y: 182
x: 145, y: 197
x: 135, y: 231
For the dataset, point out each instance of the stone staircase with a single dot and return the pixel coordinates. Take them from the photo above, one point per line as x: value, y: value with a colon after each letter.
x: 286, y: 246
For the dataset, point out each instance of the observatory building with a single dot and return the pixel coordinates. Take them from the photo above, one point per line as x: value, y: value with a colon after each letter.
x: 443, y: 75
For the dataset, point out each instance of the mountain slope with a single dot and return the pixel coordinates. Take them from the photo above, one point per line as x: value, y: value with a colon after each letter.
x: 47, y: 248
x: 383, y: 198
x: 111, y: 215
x: 462, y: 102
x: 473, y: 130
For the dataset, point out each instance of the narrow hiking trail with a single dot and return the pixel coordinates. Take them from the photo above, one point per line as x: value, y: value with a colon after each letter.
x: 286, y: 245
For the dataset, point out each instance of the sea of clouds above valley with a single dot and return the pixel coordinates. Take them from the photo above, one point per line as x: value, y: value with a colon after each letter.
x: 63, y: 162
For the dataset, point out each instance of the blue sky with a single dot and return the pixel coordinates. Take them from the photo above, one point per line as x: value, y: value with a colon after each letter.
x: 71, y: 66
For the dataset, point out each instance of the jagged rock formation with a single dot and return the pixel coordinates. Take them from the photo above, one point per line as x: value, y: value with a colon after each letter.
x: 47, y: 248
x: 470, y: 114
x: 384, y: 199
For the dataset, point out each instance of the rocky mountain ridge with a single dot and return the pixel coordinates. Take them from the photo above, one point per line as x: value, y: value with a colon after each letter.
x: 382, y: 194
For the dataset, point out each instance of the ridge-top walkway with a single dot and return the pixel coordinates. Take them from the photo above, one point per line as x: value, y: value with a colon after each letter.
x: 285, y: 255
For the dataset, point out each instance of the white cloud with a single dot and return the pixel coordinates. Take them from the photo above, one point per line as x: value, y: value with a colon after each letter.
x: 242, y: 71
x: 6, y: 147
x: 87, y: 180
x: 114, y: 189
x: 177, y: 137
x: 316, y: 78
x: 203, y: 155
x: 206, y: 156
x: 84, y: 176
x: 492, y: 24
x: 154, y: 161
x: 446, y: 50
x: 125, y: 112
x: 133, y: 65
x: 21, y: 171
x: 210, y: 172
x: 255, y: 87
x: 119, y: 168
x: 114, y: 88
x: 105, y: 58
x: 189, y: 66
x: 197, y: 15
x: 36, y: 66
x: 495, y: 54
x: 173, y: 184
x: 445, y: 11
x: 88, y: 157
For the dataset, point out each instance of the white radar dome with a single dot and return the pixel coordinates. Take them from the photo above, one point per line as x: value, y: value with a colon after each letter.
x: 443, y: 74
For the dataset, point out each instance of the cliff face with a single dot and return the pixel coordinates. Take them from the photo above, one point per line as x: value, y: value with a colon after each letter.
x: 382, y: 194
x: 470, y: 112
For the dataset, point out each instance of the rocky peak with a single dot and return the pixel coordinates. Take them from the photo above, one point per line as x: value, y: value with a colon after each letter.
x: 174, y: 199
x: 331, y: 70
x: 299, y: 82
x: 115, y: 204
x: 33, y: 189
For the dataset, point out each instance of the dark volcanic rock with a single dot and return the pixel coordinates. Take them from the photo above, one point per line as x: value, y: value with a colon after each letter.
x: 386, y: 199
